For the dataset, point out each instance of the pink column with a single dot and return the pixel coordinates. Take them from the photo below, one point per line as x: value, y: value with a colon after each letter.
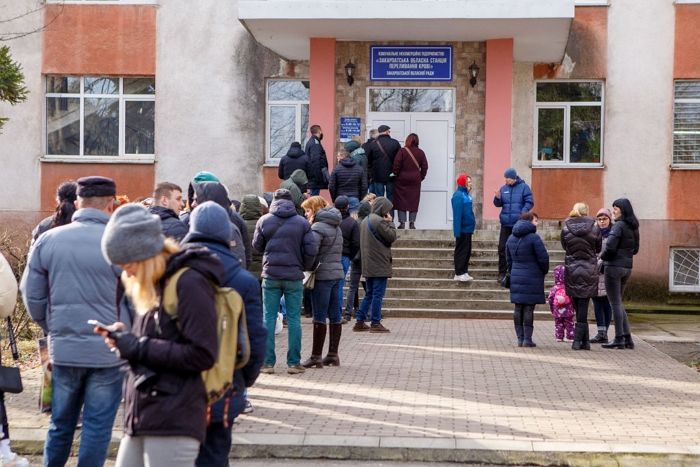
x: 322, y: 93
x: 497, y: 119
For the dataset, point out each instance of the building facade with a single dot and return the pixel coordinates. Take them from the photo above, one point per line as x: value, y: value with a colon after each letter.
x: 588, y: 100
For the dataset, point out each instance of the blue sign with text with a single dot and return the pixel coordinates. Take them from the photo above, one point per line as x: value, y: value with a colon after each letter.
x: 410, y: 63
x: 349, y: 127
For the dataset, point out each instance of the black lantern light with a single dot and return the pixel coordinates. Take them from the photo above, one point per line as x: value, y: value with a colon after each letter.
x: 473, y: 73
x: 349, y: 71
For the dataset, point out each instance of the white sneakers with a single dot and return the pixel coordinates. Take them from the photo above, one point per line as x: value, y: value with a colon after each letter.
x: 463, y: 277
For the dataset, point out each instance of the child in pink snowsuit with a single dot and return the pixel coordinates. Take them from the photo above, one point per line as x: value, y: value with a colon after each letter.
x: 561, y: 307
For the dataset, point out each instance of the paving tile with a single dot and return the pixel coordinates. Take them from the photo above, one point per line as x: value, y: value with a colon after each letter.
x: 417, y: 443
x: 334, y: 440
x: 494, y: 444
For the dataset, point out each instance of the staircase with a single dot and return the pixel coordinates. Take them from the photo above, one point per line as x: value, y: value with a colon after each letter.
x: 423, y: 286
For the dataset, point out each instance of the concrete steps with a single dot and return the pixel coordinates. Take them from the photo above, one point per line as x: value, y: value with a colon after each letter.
x: 423, y: 270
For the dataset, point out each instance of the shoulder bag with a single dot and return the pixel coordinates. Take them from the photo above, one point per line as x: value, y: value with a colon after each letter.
x: 310, y: 276
x: 10, y: 377
x: 413, y: 158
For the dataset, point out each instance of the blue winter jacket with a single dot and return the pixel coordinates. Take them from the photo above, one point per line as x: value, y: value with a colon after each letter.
x: 67, y: 281
x: 463, y: 220
x: 528, y: 262
x: 514, y: 200
x: 286, y: 241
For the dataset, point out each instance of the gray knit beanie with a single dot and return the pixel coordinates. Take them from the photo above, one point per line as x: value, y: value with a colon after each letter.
x: 132, y: 234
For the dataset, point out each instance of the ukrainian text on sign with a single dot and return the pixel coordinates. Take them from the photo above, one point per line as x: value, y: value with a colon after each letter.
x: 349, y: 127
x: 411, y: 63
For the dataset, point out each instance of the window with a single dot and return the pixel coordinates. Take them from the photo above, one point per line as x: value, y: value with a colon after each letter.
x: 684, y: 266
x: 686, y: 124
x: 287, y: 116
x: 100, y: 116
x: 569, y: 123
x: 410, y: 100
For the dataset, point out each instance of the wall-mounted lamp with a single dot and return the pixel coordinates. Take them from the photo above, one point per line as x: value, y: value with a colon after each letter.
x: 349, y: 71
x: 473, y: 73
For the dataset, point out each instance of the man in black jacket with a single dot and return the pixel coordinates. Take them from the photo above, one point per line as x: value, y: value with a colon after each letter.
x: 167, y: 204
x: 380, y: 161
x: 318, y: 163
x: 293, y: 160
x: 348, y: 178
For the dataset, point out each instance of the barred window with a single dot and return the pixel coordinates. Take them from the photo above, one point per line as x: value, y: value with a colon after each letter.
x: 685, y: 270
x: 287, y: 116
x: 686, y: 123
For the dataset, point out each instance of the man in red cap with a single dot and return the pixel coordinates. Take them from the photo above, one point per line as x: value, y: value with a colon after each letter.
x: 463, y: 224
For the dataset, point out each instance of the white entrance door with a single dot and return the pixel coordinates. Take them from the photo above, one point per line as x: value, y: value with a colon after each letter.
x: 435, y: 131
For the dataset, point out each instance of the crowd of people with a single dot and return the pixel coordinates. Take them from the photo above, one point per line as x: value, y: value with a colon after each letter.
x: 597, y: 265
x: 99, y: 273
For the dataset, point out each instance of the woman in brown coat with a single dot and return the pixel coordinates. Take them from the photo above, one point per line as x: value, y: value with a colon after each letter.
x: 410, y: 168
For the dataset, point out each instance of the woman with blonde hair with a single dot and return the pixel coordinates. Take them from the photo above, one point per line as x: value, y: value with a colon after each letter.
x: 165, y: 401
x: 312, y: 205
x: 581, y: 240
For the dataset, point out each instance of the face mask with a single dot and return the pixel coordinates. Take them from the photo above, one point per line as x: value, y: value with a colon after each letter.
x: 320, y: 137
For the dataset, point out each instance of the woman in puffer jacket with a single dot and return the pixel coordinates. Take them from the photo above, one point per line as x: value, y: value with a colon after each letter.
x: 325, y: 224
x: 581, y: 241
x: 621, y: 246
x: 601, y: 304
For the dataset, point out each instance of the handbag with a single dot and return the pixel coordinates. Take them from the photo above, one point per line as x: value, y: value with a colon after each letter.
x: 10, y: 377
x: 506, y: 280
x: 310, y: 279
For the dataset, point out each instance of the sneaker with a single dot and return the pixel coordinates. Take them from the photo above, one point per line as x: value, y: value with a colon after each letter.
x: 248, y: 407
x: 296, y: 370
x: 13, y: 460
x: 360, y: 326
x: 560, y: 340
x: 378, y: 327
x: 463, y: 277
x: 268, y: 369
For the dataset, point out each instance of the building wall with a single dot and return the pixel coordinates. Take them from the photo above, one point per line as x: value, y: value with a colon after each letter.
x: 21, y: 137
x: 470, y: 102
x: 210, y: 99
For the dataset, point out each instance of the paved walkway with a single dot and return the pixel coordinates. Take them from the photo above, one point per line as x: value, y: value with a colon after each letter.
x: 462, y: 384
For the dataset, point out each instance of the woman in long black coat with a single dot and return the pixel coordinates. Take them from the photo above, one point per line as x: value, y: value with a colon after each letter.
x: 528, y: 263
x: 581, y: 240
x: 410, y: 168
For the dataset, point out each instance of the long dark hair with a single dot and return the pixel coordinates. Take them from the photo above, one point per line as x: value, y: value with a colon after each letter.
x: 627, y: 212
x: 66, y: 193
x: 411, y: 140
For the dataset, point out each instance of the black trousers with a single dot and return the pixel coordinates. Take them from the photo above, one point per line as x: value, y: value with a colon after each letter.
x: 502, y: 239
x: 524, y: 314
x: 581, y: 308
x: 463, y: 252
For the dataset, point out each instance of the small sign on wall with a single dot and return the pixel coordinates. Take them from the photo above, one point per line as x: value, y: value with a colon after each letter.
x: 349, y: 127
x: 410, y: 63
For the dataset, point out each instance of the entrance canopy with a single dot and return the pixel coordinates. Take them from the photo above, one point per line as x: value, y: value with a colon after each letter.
x: 539, y: 28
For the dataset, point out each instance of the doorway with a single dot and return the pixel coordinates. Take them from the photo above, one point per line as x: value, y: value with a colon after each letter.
x: 429, y: 113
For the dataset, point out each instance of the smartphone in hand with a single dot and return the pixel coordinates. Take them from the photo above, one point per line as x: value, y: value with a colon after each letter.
x: 106, y: 327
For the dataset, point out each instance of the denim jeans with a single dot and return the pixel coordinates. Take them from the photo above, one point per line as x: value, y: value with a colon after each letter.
x: 383, y: 189
x: 273, y: 290
x: 217, y: 446
x: 315, y: 191
x: 603, y: 312
x: 615, y: 280
x: 345, y: 261
x: 324, y: 302
x: 355, y: 276
x: 98, y: 392
x: 374, y: 295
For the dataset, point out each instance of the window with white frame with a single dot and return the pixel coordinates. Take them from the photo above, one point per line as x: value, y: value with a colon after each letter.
x: 684, y: 267
x: 686, y: 123
x: 568, y: 123
x: 287, y: 118
x: 100, y: 116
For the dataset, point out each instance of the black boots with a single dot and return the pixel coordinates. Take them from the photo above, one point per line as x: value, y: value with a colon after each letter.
x: 332, y: 358
x: 402, y: 225
x: 519, y: 334
x: 527, y: 336
x: 412, y: 225
x: 600, y: 338
x: 581, y: 341
x: 620, y: 342
x: 315, y: 361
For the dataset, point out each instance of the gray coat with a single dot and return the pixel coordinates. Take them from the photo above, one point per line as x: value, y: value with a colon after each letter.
x: 326, y: 228
x: 67, y: 282
x: 376, y: 237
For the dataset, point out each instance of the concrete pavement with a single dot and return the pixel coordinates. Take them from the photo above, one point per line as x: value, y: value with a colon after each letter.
x: 460, y: 390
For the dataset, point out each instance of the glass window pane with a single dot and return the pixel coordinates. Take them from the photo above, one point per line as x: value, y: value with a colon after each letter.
x: 101, y: 127
x: 287, y: 90
x: 550, y: 134
x: 139, y: 85
x: 687, y: 89
x: 686, y: 116
x: 686, y: 267
x: 304, y: 124
x: 410, y: 100
x: 686, y: 148
x: 584, y: 132
x: 139, y: 127
x: 282, y: 129
x: 569, y: 92
x: 63, y: 84
x: 103, y: 85
x: 63, y: 126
